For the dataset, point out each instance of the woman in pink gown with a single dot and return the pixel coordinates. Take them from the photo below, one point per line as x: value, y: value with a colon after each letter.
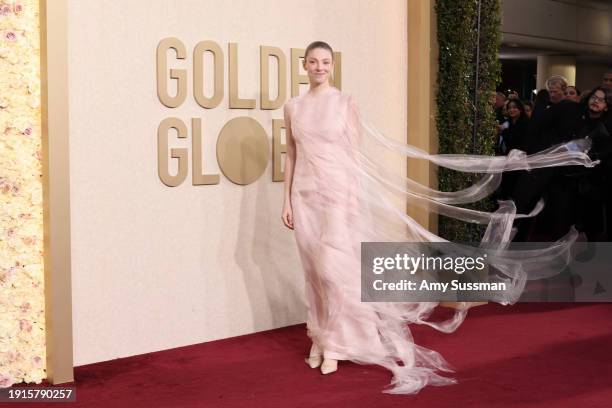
x: 332, y: 211
x: 320, y: 192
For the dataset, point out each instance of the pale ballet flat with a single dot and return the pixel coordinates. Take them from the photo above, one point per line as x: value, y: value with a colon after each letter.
x: 329, y: 366
x: 314, y: 361
x: 315, y: 356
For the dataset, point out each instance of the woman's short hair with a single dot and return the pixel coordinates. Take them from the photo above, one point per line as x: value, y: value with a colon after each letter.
x: 318, y: 44
x: 556, y: 80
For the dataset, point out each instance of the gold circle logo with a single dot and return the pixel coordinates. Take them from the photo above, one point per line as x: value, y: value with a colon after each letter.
x: 243, y: 150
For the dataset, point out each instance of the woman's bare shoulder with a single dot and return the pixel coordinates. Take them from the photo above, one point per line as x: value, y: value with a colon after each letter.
x: 349, y: 101
x: 291, y: 103
x: 346, y: 97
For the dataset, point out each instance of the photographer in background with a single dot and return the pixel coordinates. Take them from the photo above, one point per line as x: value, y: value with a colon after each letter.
x: 594, y: 185
x: 513, y: 137
x: 606, y: 81
x: 554, y: 124
x: 573, y: 94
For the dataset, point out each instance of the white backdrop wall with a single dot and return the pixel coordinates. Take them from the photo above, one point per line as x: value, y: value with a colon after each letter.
x: 156, y: 267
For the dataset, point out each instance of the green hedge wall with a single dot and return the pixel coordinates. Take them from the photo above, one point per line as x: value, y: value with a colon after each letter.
x: 457, y: 22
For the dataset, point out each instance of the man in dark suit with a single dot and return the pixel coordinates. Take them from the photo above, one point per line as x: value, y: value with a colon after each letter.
x: 606, y: 81
x: 557, y: 124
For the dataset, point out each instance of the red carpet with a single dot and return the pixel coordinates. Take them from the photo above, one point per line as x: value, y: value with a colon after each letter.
x: 528, y: 355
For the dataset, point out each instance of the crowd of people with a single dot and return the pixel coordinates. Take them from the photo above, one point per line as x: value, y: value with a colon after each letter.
x: 574, y: 196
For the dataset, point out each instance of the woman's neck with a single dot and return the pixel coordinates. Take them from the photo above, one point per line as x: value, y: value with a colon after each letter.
x: 317, y: 89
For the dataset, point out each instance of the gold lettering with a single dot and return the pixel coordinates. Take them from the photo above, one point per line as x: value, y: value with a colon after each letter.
x: 243, y: 150
x: 177, y: 153
x: 265, y: 53
x: 235, y: 102
x: 336, y: 79
x: 198, y: 74
x: 198, y: 163
x: 278, y: 149
x: 297, y: 55
x: 179, y: 74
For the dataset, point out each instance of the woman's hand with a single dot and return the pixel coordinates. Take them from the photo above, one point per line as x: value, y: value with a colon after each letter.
x: 288, y: 216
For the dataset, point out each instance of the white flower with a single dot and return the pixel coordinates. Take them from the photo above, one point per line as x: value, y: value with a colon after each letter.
x: 6, y: 380
x: 22, y: 335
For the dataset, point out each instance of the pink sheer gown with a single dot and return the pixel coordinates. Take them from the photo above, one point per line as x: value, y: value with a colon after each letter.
x: 335, y: 208
x: 330, y: 224
x: 325, y: 202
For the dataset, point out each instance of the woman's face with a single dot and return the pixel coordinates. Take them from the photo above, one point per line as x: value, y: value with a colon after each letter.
x: 528, y: 111
x: 319, y: 65
x: 513, y: 111
x: 597, y: 102
x: 571, y: 94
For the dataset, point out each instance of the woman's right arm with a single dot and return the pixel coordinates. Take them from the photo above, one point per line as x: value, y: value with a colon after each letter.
x: 289, y: 167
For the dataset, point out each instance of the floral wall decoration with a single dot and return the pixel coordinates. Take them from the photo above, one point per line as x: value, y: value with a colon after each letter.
x: 22, y: 302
